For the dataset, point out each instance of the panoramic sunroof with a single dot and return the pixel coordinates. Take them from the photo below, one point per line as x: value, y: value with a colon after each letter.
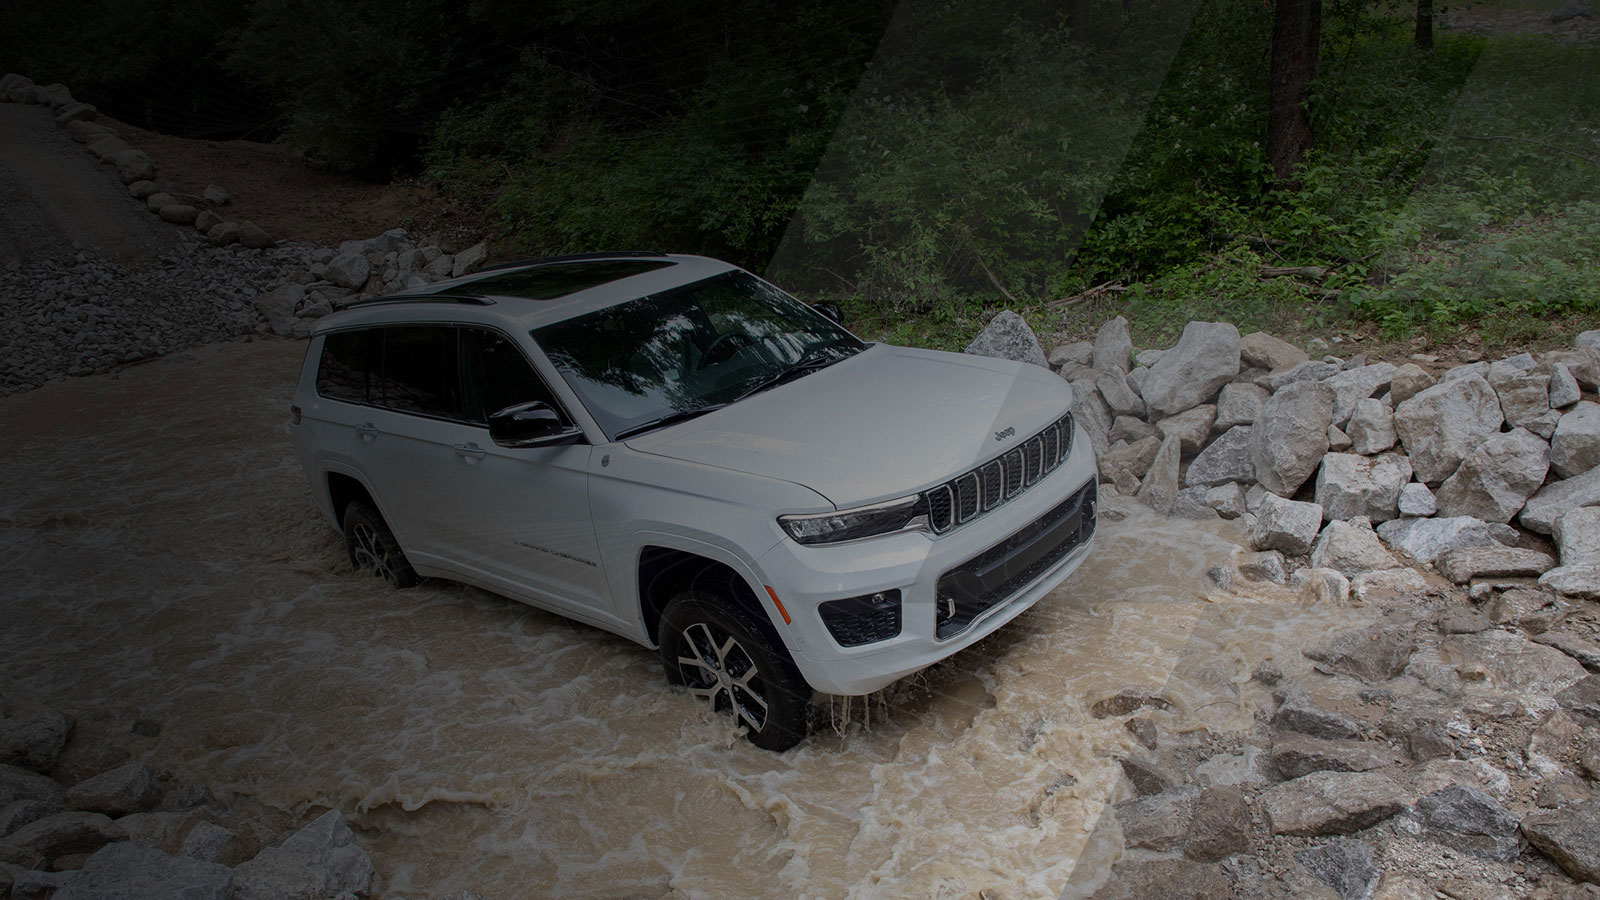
x: 560, y: 279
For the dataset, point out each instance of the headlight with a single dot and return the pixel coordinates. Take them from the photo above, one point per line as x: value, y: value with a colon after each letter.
x: 905, y: 514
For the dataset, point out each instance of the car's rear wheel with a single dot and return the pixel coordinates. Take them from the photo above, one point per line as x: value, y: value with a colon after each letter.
x: 721, y: 655
x: 372, y: 546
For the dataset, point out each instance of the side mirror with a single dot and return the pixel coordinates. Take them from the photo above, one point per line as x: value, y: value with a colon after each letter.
x: 830, y: 312
x: 532, y: 424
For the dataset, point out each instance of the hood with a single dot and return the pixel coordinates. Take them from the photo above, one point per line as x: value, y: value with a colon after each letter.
x: 884, y: 423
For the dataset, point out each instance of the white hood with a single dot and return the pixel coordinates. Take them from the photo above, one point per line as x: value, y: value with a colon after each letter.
x: 884, y: 423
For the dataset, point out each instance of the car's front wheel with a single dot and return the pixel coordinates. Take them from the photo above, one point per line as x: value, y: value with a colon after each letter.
x: 721, y: 655
x: 372, y: 547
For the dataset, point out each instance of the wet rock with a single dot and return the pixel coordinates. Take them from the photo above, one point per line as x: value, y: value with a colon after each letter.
x: 1267, y: 352
x: 1556, y: 499
x: 17, y: 783
x: 1322, y: 585
x: 1205, y: 358
x: 1159, y: 822
x: 1349, y: 485
x: 1190, y: 503
x: 1160, y: 484
x: 1146, y: 777
x: 1231, y: 769
x: 1131, y: 429
x: 1345, y: 865
x: 1295, y: 755
x: 1169, y: 879
x: 33, y: 739
x: 1371, y: 427
x: 128, y: 872
x: 1466, y: 819
x: 127, y: 789
x: 1370, y: 654
x: 1350, y: 549
x: 1143, y: 730
x: 1226, y: 499
x: 1496, y: 478
x: 1325, y: 803
x: 67, y: 832
x: 1563, y: 387
x: 1533, y: 611
x: 1239, y: 403
x: 317, y: 861
x: 1287, y: 525
x: 1225, y: 459
x: 1112, y: 347
x: 1220, y: 577
x: 1586, y: 652
x: 472, y: 259
x: 1465, y: 564
x: 1582, y: 698
x: 1122, y: 400
x: 1570, y: 836
x: 1291, y: 435
x: 1512, y: 662
x: 1426, y: 539
x: 1387, y: 586
x: 1190, y: 427
x: 1441, y: 425
x: 1127, y: 701
x: 1264, y: 565
x: 1092, y: 413
x: 1574, y: 581
x: 1300, y: 713
x: 1352, y: 386
x: 1417, y: 500
x: 1219, y: 825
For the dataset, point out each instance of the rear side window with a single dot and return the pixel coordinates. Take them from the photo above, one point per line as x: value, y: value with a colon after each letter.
x: 342, y: 373
x: 498, y: 375
x: 419, y: 371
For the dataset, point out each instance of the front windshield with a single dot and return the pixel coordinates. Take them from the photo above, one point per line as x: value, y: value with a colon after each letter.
x: 693, y: 347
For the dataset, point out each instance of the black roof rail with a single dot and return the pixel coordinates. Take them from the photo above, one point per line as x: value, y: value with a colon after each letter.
x: 573, y: 257
x: 470, y: 299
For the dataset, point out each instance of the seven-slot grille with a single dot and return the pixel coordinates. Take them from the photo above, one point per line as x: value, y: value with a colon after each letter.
x: 970, y: 495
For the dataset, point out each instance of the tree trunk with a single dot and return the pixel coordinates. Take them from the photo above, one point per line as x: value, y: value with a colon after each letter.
x: 1424, y: 38
x: 1296, y: 27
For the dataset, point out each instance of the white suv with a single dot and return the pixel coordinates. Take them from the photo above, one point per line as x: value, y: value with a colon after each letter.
x: 672, y: 449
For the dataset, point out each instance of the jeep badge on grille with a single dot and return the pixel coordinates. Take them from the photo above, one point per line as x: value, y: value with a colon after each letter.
x: 1002, y: 435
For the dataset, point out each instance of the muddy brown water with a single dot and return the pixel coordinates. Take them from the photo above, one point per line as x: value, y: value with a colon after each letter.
x: 162, y: 560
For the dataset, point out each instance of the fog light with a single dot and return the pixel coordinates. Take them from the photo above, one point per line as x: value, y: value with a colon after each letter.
x: 869, y: 618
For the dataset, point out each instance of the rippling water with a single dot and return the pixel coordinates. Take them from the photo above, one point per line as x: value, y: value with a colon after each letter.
x: 163, y: 560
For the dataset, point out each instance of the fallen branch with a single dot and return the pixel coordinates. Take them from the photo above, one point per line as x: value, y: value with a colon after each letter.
x: 996, y: 282
x: 1505, y: 138
x: 1316, y: 272
x: 1110, y: 287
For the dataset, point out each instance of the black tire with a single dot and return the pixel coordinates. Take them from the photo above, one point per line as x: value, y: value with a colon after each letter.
x: 373, y: 549
x: 773, y: 702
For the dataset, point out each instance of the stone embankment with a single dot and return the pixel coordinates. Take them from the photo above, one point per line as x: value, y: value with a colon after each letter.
x: 229, y: 280
x: 1448, y: 748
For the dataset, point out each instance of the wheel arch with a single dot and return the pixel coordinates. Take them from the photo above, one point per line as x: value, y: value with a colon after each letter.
x: 344, y: 490
x: 666, y: 572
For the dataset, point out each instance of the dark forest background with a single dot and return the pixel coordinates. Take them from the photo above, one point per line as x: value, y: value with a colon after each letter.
x: 928, y: 161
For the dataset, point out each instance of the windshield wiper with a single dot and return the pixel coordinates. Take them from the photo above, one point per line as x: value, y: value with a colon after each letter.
x: 671, y: 418
x: 818, y: 357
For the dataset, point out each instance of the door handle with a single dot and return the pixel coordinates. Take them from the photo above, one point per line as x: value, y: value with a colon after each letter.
x: 470, y: 451
x: 367, y: 430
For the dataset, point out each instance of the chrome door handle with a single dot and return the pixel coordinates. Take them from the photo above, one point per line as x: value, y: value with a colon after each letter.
x: 470, y: 451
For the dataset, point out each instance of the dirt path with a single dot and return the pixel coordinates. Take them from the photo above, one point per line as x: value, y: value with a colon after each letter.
x: 58, y: 199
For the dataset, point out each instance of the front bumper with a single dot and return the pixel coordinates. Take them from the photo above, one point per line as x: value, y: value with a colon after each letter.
x: 955, y: 589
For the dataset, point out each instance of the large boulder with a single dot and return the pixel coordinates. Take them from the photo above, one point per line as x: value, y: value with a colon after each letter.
x: 1239, y: 403
x: 1354, y: 385
x: 1296, y: 755
x: 67, y: 832
x: 1345, y: 865
x: 1006, y: 336
x: 1350, y: 485
x: 1350, y: 549
x: 1310, y: 370
x: 349, y: 270
x: 1467, y: 563
x: 1090, y: 411
x: 1160, y: 485
x: 1563, y: 387
x: 1575, y: 448
x: 33, y: 739
x: 1225, y: 459
x: 1264, y: 351
x: 1570, y: 835
x: 1466, y: 819
x: 1425, y: 539
x: 134, y: 165
x: 1287, y: 525
x: 1497, y: 477
x: 471, y: 260
x: 1325, y: 803
x: 1578, y: 534
x: 320, y: 860
x: 1523, y: 399
x: 1112, y: 346
x: 1206, y: 358
x: 1512, y: 662
x: 1122, y: 399
x: 1291, y: 435
x: 1370, y: 654
x: 1555, y: 499
x: 1371, y: 427
x: 1190, y: 427
x: 1574, y: 581
x: 1126, y: 466
x: 1408, y: 381
x: 126, y: 789
x: 124, y: 871
x: 1417, y: 500
x: 1442, y: 424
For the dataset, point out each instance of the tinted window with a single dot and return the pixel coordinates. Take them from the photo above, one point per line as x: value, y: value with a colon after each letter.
x: 498, y: 375
x: 342, y: 373
x: 419, y: 371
